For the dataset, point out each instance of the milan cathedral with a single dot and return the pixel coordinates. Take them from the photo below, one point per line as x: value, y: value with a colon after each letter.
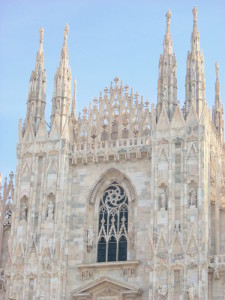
x: 125, y: 200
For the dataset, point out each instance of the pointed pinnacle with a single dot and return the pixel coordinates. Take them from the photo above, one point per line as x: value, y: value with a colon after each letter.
x: 217, y: 71
x: 195, y: 17
x: 168, y: 18
x: 41, y: 35
x: 66, y: 32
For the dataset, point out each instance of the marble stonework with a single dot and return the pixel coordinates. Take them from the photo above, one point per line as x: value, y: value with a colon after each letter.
x: 169, y: 162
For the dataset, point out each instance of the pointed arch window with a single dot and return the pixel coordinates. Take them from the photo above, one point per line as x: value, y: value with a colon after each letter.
x: 113, y: 225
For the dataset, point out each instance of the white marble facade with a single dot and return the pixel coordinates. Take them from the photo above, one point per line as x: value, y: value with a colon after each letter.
x: 123, y: 201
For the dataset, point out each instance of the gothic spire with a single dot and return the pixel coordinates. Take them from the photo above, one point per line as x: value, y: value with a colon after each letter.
x: 218, y: 108
x: 167, y: 82
x: 62, y: 85
x: 37, y: 89
x: 195, y: 77
x: 64, y: 59
x: 74, y: 102
x: 168, y: 43
x: 195, y: 38
x: 217, y: 87
x: 39, y: 64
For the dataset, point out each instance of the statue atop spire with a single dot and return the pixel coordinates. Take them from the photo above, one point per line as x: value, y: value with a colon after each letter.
x: 62, y: 85
x: 168, y: 43
x: 217, y: 71
x: 217, y: 112
x: 195, y: 77
x: 168, y: 18
x: 37, y: 90
x: 64, y: 59
x: 167, y: 82
x: 217, y: 88
x: 41, y: 35
x: 66, y: 32
x: 195, y: 16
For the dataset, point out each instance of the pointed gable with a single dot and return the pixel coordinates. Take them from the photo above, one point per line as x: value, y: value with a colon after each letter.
x: 162, y: 248
x: 163, y: 123
x: 178, y: 119
x: 55, y: 130
x: 105, y: 286
x: 42, y: 132
x: 29, y: 133
x: 192, y: 118
x: 192, y: 244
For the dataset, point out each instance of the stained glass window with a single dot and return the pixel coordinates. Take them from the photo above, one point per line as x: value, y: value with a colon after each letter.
x: 113, y: 224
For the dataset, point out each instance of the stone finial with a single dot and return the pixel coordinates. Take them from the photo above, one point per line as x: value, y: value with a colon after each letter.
x: 116, y: 80
x: 66, y: 32
x: 168, y: 16
x: 11, y: 175
x: 41, y: 35
x: 195, y: 11
x: 105, y: 91
x: 217, y: 71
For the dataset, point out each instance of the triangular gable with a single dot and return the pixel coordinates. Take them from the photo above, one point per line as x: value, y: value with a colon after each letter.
x: 66, y: 130
x: 192, y: 244
x: 162, y: 245
x: 25, y: 170
x: 177, y: 247
x: 192, y: 151
x: 19, y: 254
x: 163, y: 123
x: 54, y: 132
x: 52, y: 167
x: 162, y: 155
x: 178, y: 118
x: 104, y: 282
x: 29, y: 133
x: 42, y: 132
x: 192, y: 119
x: 33, y: 254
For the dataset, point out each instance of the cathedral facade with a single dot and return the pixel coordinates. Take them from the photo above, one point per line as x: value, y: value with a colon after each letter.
x: 125, y: 200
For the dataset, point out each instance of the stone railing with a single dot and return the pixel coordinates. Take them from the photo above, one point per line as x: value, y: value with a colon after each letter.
x: 119, y: 149
x: 117, y: 144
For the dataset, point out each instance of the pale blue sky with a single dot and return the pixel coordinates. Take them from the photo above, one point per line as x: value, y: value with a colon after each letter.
x: 121, y: 38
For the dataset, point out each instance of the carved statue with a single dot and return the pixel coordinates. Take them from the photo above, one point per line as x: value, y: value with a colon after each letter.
x: 163, y: 200
x: 23, y: 212
x: 193, y: 197
x: 90, y: 237
x: 162, y: 290
x: 50, y: 215
x: 191, y: 292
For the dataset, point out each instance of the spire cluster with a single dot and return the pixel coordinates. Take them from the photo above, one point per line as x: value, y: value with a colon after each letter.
x: 167, y: 102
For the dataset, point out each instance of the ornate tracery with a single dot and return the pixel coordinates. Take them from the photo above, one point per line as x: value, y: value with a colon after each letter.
x: 113, y: 224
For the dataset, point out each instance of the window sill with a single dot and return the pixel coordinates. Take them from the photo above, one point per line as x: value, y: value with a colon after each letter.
x: 109, y: 264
